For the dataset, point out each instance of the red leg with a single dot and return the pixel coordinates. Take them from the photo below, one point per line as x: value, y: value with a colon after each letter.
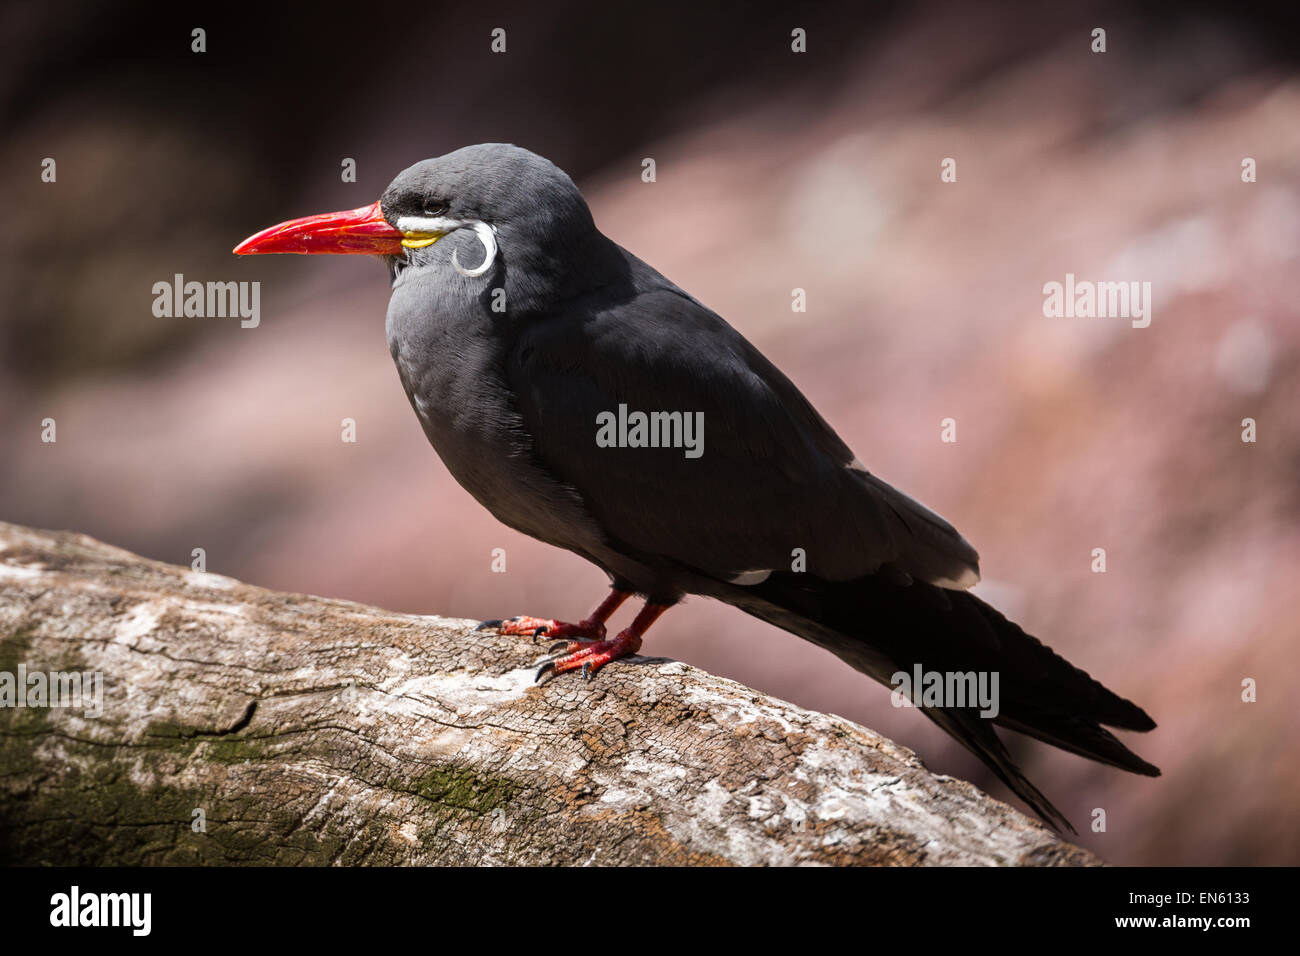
x: 591, y: 656
x: 591, y: 627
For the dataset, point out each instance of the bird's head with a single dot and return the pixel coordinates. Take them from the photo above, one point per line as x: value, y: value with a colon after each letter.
x: 494, y: 189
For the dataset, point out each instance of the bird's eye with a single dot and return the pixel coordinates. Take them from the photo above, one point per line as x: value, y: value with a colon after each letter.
x: 434, y: 208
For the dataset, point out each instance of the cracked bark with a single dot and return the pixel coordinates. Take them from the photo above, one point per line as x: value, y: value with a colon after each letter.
x: 242, y: 725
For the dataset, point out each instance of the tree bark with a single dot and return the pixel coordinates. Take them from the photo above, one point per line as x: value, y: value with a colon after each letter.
x: 241, y: 725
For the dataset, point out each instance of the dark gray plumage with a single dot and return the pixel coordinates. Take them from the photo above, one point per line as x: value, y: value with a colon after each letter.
x: 509, y: 399
x: 509, y: 396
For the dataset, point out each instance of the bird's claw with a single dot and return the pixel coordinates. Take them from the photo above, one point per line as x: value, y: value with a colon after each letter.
x: 587, y: 656
x: 536, y: 627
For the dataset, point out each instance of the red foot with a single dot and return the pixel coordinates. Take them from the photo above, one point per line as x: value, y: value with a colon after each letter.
x: 592, y: 628
x: 536, y: 627
x: 591, y: 656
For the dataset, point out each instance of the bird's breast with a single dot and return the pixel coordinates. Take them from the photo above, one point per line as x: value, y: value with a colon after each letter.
x: 449, y: 357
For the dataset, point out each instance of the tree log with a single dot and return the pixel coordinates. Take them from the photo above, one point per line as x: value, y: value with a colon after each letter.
x: 240, y: 725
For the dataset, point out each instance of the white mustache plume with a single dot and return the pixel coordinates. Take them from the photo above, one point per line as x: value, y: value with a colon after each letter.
x: 486, y: 235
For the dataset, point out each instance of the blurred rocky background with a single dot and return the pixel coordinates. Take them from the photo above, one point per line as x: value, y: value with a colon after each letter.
x: 775, y: 171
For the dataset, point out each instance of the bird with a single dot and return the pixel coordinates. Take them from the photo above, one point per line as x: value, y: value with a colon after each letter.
x: 587, y: 401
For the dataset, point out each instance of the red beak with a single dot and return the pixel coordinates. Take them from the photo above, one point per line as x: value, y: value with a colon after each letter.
x: 362, y: 232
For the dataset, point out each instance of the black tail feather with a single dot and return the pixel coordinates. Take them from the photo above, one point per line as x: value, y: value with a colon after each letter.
x: 1079, y: 736
x: 977, y: 735
x: 888, y: 622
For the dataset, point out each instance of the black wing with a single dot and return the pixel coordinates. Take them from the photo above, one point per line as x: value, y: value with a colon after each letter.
x: 772, y: 476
